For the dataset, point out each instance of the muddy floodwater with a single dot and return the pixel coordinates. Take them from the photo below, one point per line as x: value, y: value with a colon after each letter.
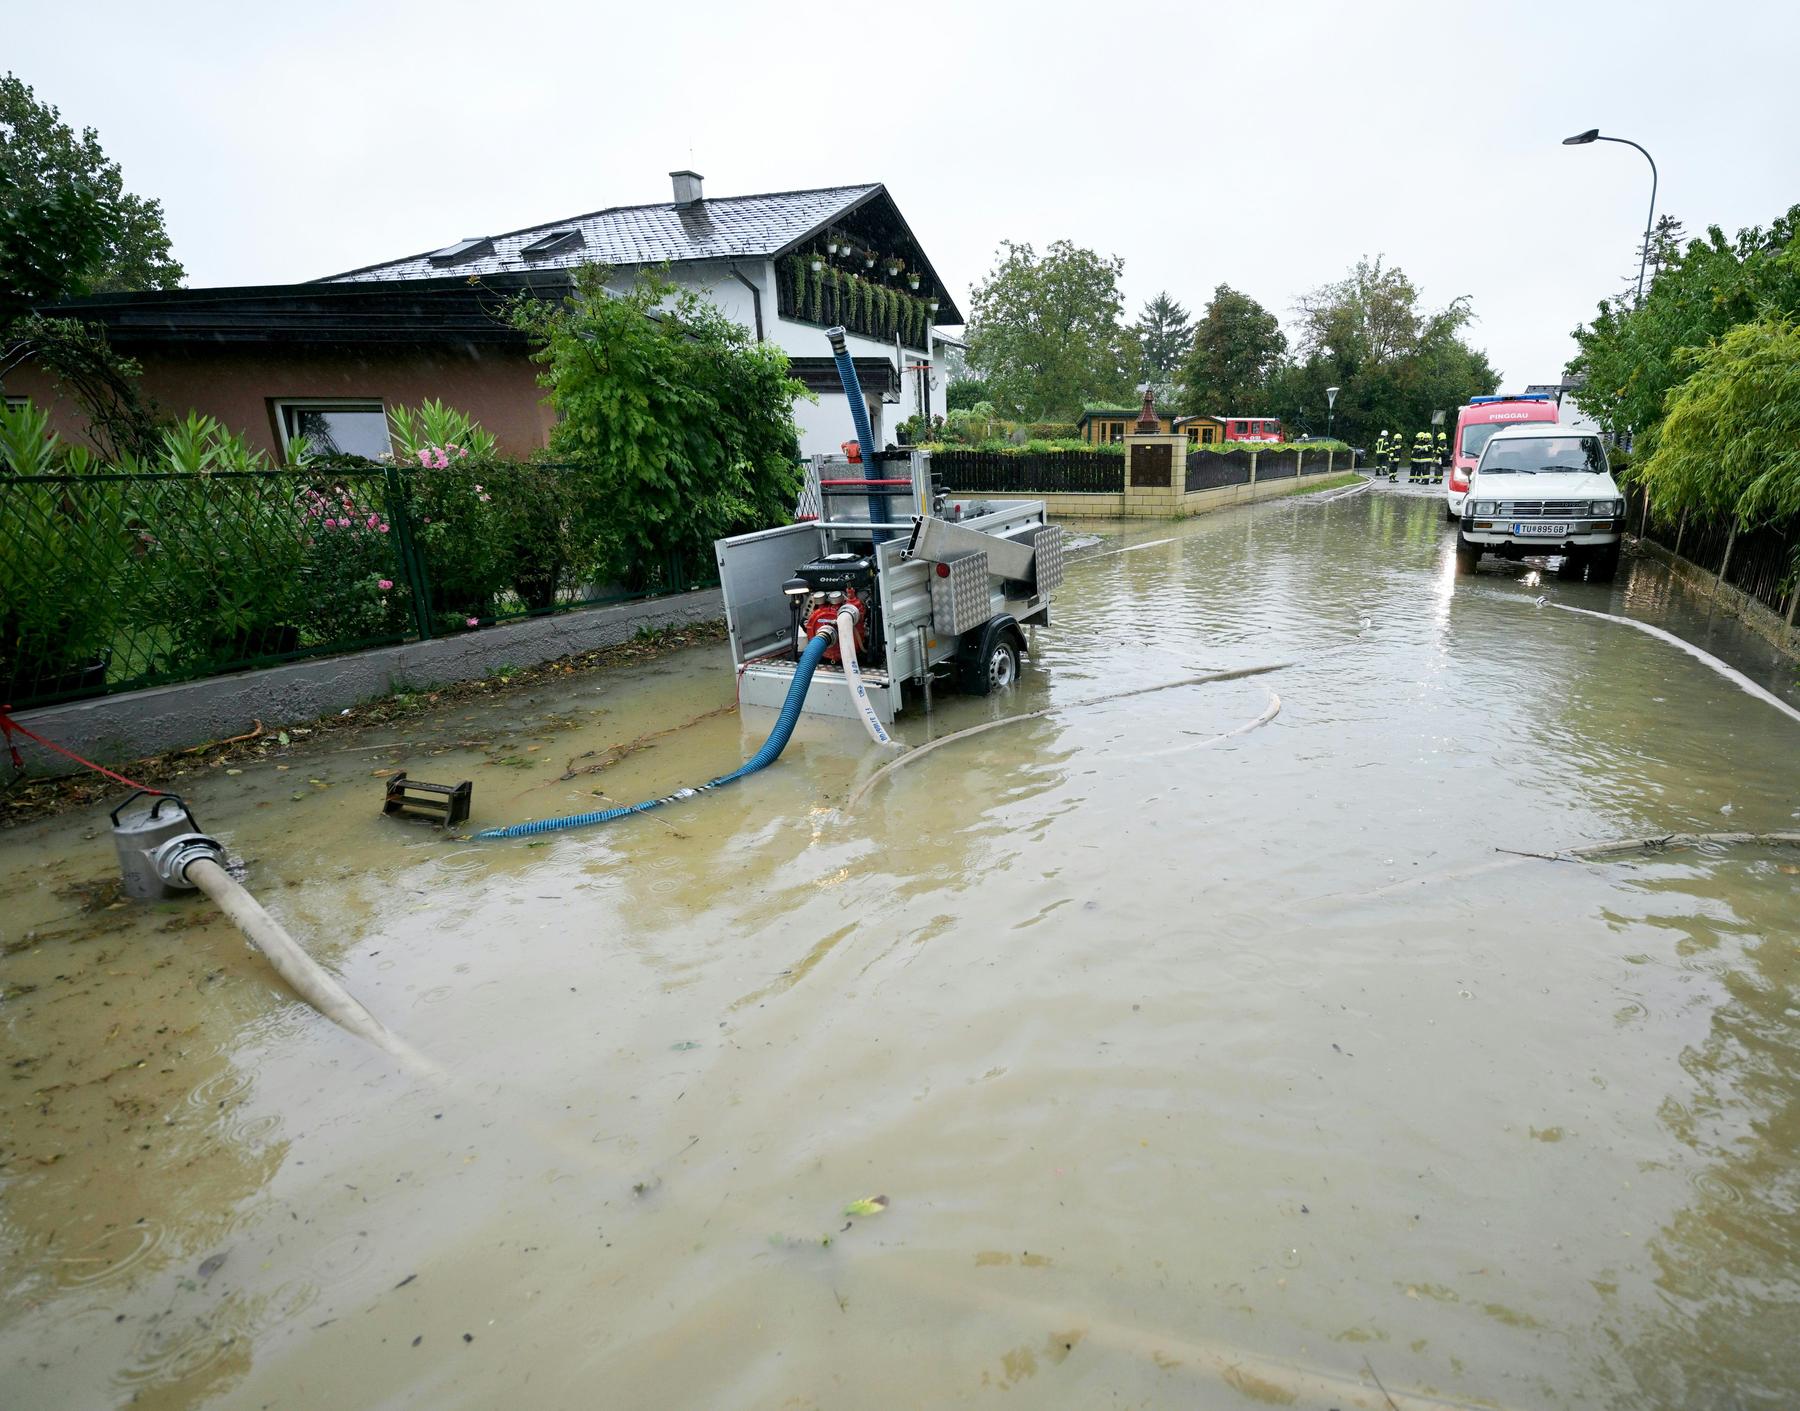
x: 1193, y: 1071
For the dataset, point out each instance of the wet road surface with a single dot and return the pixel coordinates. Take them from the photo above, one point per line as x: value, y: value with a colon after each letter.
x: 1195, y: 1071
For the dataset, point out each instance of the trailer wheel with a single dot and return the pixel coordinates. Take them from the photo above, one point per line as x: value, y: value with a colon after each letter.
x: 995, y: 665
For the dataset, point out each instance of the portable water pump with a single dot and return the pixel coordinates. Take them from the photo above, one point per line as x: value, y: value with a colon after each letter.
x: 819, y: 590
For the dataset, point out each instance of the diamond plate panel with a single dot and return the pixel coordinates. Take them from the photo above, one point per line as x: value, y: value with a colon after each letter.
x: 960, y: 601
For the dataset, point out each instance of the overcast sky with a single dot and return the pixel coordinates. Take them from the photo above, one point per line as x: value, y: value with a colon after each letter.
x: 1265, y: 145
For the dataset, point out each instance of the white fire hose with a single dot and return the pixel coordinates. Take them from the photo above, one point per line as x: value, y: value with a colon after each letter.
x: 859, y: 695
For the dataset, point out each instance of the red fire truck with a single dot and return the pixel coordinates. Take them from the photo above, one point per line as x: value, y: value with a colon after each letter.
x: 1252, y: 428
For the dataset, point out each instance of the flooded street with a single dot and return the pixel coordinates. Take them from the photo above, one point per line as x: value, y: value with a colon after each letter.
x: 1195, y: 1071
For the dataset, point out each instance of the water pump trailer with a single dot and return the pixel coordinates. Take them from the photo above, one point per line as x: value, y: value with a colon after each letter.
x: 940, y: 587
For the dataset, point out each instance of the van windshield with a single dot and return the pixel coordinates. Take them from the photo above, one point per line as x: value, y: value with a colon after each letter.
x: 1544, y: 455
x: 1475, y: 436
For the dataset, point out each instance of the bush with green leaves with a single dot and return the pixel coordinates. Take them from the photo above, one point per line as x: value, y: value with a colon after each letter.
x: 683, y: 426
x: 1729, y: 442
x: 61, y: 557
x: 223, y: 552
x: 353, y: 586
x: 434, y: 434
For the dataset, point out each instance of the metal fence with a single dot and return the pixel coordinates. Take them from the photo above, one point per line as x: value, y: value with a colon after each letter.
x: 1277, y: 465
x: 1208, y: 470
x: 110, y: 582
x: 1764, y: 563
x: 1029, y: 472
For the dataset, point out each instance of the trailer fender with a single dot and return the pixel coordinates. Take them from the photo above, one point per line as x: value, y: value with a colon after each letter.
x: 982, y: 667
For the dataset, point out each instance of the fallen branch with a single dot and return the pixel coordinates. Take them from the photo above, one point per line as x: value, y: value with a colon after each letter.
x: 618, y: 752
x: 255, y: 730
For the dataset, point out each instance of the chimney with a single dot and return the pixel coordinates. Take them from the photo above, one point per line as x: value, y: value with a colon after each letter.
x: 687, y: 188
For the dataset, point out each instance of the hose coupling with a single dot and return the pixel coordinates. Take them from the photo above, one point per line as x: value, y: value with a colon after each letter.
x: 173, y: 858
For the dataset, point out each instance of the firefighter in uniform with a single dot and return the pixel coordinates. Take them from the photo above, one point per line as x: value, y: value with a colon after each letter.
x: 1421, y: 457
x: 1443, y: 456
x: 1381, y: 451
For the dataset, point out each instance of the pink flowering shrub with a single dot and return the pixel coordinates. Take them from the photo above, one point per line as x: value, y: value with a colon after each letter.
x: 351, y: 564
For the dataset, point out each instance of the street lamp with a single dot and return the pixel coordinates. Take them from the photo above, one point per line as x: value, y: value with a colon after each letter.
x: 1330, y: 408
x: 1581, y: 139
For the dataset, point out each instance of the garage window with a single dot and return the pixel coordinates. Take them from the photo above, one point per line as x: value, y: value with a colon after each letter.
x: 349, y: 427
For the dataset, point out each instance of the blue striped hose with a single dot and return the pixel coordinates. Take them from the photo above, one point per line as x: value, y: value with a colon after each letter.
x: 762, y: 759
x: 865, y: 434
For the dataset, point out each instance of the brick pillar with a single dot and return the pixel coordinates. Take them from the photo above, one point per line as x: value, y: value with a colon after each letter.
x: 1155, y: 474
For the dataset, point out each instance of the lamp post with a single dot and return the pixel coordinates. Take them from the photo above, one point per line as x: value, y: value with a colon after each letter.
x: 1330, y: 408
x: 1581, y: 139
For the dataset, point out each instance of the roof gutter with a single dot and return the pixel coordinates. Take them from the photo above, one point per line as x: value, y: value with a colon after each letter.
x: 755, y: 297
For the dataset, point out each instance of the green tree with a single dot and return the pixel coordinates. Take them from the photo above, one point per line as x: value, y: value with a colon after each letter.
x: 1164, y: 330
x: 1394, y: 361
x: 50, y: 244
x: 1237, y: 345
x: 1046, y: 334
x: 684, y: 424
x: 964, y: 393
x: 41, y: 156
x: 1372, y: 317
x: 1729, y: 443
x: 69, y: 227
x: 1633, y: 357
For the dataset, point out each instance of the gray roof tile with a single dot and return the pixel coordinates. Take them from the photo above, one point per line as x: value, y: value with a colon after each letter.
x: 717, y: 228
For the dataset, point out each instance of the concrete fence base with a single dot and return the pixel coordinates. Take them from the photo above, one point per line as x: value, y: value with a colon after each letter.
x: 112, y: 729
x: 1175, y: 503
x: 1703, y: 584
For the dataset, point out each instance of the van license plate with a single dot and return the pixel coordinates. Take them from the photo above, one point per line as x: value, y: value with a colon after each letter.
x: 1541, y: 531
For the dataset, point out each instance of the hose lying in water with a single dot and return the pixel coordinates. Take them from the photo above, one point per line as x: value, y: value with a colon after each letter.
x: 1612, y: 849
x: 304, y: 974
x: 1730, y: 673
x: 1270, y: 711
x: 762, y: 759
x: 1663, y: 842
x: 1334, y: 495
x: 911, y: 755
x: 865, y: 708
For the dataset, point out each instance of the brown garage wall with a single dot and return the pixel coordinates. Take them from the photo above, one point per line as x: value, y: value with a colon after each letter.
x: 238, y: 385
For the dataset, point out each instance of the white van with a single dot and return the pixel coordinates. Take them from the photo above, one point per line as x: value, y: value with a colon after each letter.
x: 1543, y: 490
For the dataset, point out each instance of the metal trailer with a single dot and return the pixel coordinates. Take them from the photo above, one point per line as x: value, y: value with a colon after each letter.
x: 955, y: 582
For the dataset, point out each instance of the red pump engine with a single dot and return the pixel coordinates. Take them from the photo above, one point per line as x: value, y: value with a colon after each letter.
x: 826, y: 615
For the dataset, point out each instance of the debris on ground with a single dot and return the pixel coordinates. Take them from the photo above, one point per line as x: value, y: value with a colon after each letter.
x: 26, y: 799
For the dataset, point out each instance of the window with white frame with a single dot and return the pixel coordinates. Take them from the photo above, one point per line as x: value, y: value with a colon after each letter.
x: 346, y: 426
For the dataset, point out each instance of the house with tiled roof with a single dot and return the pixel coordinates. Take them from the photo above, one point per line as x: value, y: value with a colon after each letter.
x: 329, y: 357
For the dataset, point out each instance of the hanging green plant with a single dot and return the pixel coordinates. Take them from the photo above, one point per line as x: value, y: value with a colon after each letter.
x: 834, y: 283
x: 797, y: 273
x: 868, y: 306
x: 818, y: 295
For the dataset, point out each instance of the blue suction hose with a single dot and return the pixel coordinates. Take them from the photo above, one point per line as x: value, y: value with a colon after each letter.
x: 762, y: 759
x: 865, y: 434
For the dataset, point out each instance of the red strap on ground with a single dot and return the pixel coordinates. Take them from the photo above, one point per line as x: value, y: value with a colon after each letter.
x: 9, y: 727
